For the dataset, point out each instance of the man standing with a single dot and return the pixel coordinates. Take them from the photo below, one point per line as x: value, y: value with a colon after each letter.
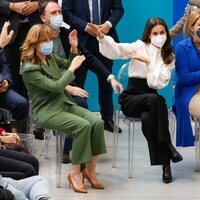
x: 22, y: 15
x: 106, y: 14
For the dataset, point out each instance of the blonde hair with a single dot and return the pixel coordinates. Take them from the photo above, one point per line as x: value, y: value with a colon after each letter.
x: 37, y: 34
x: 193, y: 17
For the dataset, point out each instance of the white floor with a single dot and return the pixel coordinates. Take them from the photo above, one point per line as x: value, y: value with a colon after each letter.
x: 145, y: 185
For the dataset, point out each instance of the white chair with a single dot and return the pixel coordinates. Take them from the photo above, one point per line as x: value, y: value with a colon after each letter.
x: 122, y: 77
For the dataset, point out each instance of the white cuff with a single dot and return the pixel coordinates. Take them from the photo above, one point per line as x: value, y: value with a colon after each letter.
x: 109, y: 24
x: 110, y: 77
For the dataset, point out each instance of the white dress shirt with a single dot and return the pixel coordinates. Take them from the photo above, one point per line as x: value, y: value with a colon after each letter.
x: 157, y: 72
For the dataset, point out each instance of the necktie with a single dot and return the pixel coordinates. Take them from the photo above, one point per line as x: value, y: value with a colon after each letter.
x: 95, y: 12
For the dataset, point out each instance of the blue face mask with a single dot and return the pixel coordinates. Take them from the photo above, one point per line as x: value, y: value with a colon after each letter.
x: 198, y: 32
x: 56, y: 21
x: 46, y: 48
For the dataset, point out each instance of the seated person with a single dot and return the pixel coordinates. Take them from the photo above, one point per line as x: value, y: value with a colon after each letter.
x: 150, y: 68
x: 50, y: 13
x: 187, y: 90
x: 32, y: 188
x: 9, y: 99
x: 54, y: 108
x: 16, y: 164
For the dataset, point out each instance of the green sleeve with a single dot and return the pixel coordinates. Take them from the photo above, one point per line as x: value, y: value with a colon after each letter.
x: 39, y: 80
x: 63, y: 62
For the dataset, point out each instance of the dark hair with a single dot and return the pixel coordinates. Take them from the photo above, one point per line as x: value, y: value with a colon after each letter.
x: 43, y: 4
x: 167, y: 50
x: 6, y: 194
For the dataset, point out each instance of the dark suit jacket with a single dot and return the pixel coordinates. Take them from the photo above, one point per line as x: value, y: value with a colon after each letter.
x: 13, y: 17
x: 76, y: 13
x: 4, y: 67
x: 92, y: 63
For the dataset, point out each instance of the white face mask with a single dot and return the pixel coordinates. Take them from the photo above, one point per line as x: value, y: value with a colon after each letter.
x: 56, y: 21
x: 158, y: 40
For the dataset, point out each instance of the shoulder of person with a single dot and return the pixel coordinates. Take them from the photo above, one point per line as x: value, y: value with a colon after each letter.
x: 28, y: 66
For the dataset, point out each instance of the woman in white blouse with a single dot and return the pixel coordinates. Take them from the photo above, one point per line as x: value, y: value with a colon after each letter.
x: 150, y: 68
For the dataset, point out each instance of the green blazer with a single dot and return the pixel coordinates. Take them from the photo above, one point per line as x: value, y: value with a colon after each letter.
x: 46, y: 86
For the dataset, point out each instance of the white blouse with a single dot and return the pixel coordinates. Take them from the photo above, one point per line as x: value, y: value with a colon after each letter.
x: 157, y: 72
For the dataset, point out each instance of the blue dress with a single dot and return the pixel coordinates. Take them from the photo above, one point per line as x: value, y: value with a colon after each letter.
x: 188, y: 80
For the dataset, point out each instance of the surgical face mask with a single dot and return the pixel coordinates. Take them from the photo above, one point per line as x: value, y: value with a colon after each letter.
x: 46, y: 48
x: 158, y: 40
x: 56, y: 21
x: 198, y: 32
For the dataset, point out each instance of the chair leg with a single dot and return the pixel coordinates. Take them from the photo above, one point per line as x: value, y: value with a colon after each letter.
x: 59, y: 152
x: 130, y: 148
x: 116, y: 122
x: 197, y: 144
x: 46, y: 143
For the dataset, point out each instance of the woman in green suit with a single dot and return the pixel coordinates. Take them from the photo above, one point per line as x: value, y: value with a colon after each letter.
x: 53, y: 107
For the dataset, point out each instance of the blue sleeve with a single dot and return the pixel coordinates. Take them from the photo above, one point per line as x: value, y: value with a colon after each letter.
x: 117, y: 12
x: 183, y: 67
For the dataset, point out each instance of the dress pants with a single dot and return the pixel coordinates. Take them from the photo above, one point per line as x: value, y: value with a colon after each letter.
x: 86, y: 129
x: 104, y: 87
x: 68, y: 140
x: 15, y: 103
x: 33, y: 188
x: 141, y: 101
x: 13, y: 161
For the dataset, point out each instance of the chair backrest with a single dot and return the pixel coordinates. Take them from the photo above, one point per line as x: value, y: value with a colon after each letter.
x: 122, y: 75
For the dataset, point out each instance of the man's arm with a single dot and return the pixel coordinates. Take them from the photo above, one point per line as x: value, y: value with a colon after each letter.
x: 4, y: 8
x: 117, y: 12
x: 177, y: 29
x: 70, y: 18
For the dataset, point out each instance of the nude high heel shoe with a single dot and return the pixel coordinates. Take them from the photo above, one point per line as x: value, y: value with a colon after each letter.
x: 82, y: 189
x: 94, y: 185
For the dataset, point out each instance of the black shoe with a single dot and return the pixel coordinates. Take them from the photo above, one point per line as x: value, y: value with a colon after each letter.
x: 167, y: 175
x: 39, y: 133
x: 66, y: 158
x: 174, y: 155
x: 109, y: 126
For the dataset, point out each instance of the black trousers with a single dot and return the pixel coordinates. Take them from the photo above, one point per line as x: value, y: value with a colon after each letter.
x: 138, y: 100
x: 102, y: 67
x: 17, y: 162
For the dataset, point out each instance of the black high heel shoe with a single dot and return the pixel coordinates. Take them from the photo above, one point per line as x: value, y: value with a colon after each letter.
x: 174, y: 155
x: 167, y: 175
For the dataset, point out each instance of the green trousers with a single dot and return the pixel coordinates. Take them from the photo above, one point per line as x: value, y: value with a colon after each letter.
x: 86, y: 128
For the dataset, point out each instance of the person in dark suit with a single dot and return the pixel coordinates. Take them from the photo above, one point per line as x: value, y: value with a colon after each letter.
x: 9, y: 99
x: 22, y: 15
x: 77, y: 14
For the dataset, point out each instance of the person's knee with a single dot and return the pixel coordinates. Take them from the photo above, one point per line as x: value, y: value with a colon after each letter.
x: 29, y: 170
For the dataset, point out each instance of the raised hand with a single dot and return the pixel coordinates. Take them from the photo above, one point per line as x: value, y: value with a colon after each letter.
x: 104, y: 28
x: 139, y: 57
x: 30, y: 7
x: 76, y: 63
x: 95, y: 30
x: 4, y: 36
x: 73, y: 40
